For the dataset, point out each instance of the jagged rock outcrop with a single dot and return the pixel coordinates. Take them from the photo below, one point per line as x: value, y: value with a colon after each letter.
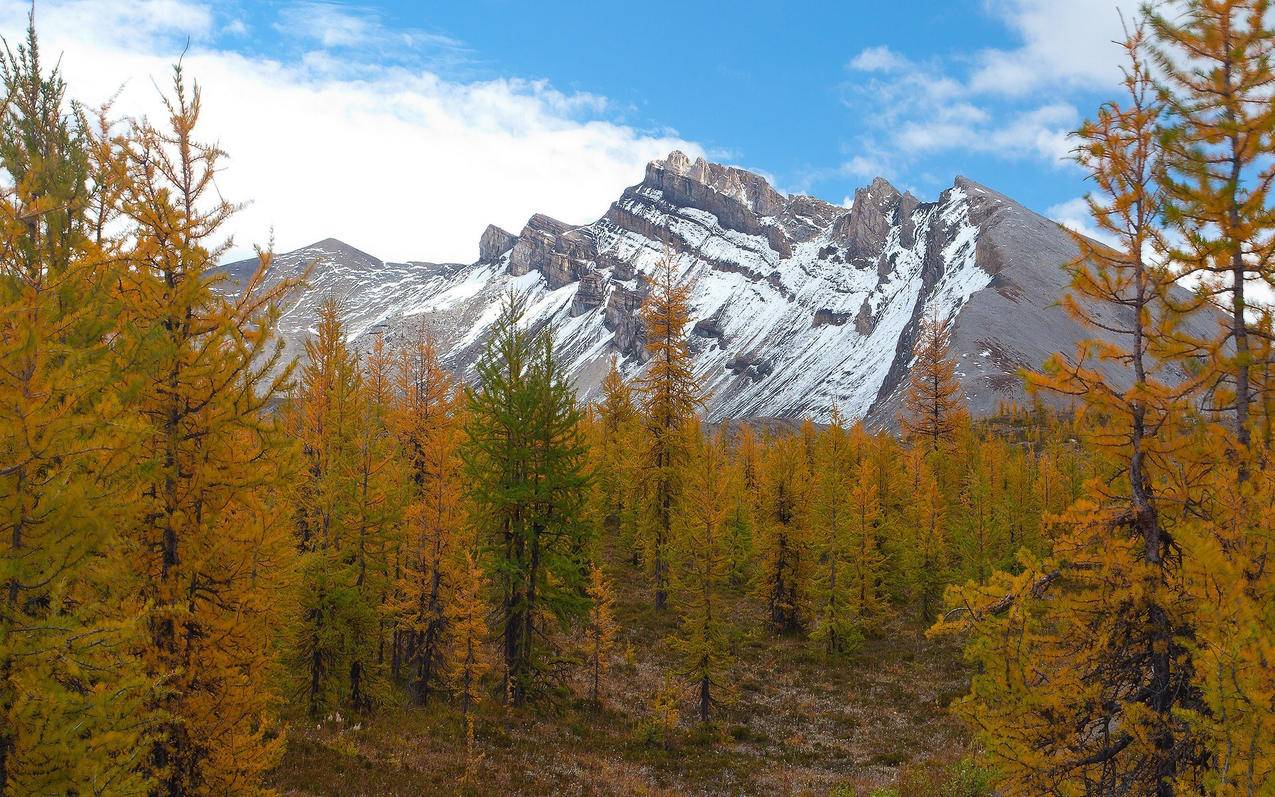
x: 797, y: 306
x: 494, y: 243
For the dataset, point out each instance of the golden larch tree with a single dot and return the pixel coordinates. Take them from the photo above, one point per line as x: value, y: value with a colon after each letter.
x: 600, y: 630
x: 670, y: 398
x: 1087, y: 678
x: 934, y: 407
x: 70, y: 698
x: 700, y: 575
x: 1214, y: 64
x: 783, y: 526
x: 212, y: 551
x: 428, y: 423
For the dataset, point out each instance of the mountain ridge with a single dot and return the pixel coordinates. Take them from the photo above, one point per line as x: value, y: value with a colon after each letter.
x: 798, y: 306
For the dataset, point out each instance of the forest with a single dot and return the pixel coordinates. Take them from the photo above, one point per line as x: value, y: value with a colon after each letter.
x: 358, y: 573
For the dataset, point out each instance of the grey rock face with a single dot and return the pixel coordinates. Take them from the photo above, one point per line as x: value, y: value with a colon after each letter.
x: 798, y: 306
x: 494, y: 243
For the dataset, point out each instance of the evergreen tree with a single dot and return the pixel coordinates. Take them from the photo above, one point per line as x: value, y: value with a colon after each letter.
x: 524, y: 462
x: 670, y: 397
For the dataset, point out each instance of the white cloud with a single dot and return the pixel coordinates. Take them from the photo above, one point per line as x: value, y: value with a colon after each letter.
x: 393, y: 159
x: 1074, y: 215
x: 878, y: 59
x: 991, y: 102
x: 333, y: 25
x: 1063, y: 44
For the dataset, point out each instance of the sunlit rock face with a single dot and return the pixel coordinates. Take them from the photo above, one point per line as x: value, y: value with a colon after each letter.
x: 798, y: 306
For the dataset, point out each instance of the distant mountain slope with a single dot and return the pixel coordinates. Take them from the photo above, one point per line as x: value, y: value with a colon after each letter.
x: 798, y: 306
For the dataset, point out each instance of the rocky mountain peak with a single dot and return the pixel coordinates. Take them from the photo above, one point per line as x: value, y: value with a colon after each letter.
x: 494, y: 243
x: 679, y: 176
x: 877, y: 207
x: 797, y: 305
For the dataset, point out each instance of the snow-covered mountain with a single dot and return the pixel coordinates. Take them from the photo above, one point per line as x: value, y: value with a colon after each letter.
x: 798, y: 305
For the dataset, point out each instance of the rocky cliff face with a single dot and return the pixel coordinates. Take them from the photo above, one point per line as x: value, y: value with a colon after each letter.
x: 798, y: 306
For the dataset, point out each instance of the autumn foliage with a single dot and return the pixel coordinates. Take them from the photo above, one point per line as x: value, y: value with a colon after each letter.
x: 206, y: 548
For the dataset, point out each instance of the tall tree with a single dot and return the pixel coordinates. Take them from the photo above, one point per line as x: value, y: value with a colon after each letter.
x: 783, y: 523
x: 670, y: 398
x: 701, y: 572
x: 865, y: 573
x: 615, y: 475
x: 467, y: 634
x: 428, y: 423
x: 337, y: 616
x: 834, y: 623
x: 934, y: 407
x: 524, y: 462
x: 212, y: 551
x: 1087, y: 687
x: 70, y: 712
x: 1215, y: 66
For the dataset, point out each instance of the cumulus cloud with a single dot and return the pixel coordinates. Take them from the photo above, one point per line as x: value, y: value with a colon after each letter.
x: 990, y: 102
x: 395, y: 159
x: 878, y: 59
x: 1063, y: 44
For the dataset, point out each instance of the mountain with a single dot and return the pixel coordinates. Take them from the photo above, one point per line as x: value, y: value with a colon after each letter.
x: 798, y: 305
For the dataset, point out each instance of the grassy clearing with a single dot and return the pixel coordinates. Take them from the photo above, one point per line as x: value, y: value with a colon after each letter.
x: 794, y: 724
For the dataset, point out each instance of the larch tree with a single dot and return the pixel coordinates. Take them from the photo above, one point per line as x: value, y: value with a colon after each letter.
x: 526, y: 486
x: 741, y: 524
x: 378, y: 473
x: 467, y: 659
x: 1087, y: 678
x: 834, y: 622
x: 428, y: 423
x: 600, y: 631
x: 867, y: 563
x: 1216, y: 76
x: 782, y: 522
x: 336, y: 618
x: 670, y: 398
x: 700, y: 575
x: 930, y: 551
x: 615, y: 475
x: 934, y: 406
x: 323, y: 419
x: 212, y: 551
x: 71, y: 712
x: 1214, y: 64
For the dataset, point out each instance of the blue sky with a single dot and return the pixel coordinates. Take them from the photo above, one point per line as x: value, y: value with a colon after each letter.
x: 404, y: 127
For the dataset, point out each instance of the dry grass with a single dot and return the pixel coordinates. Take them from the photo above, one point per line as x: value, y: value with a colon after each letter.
x: 795, y: 724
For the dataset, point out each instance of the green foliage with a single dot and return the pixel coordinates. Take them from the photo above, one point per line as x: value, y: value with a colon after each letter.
x: 524, y: 466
